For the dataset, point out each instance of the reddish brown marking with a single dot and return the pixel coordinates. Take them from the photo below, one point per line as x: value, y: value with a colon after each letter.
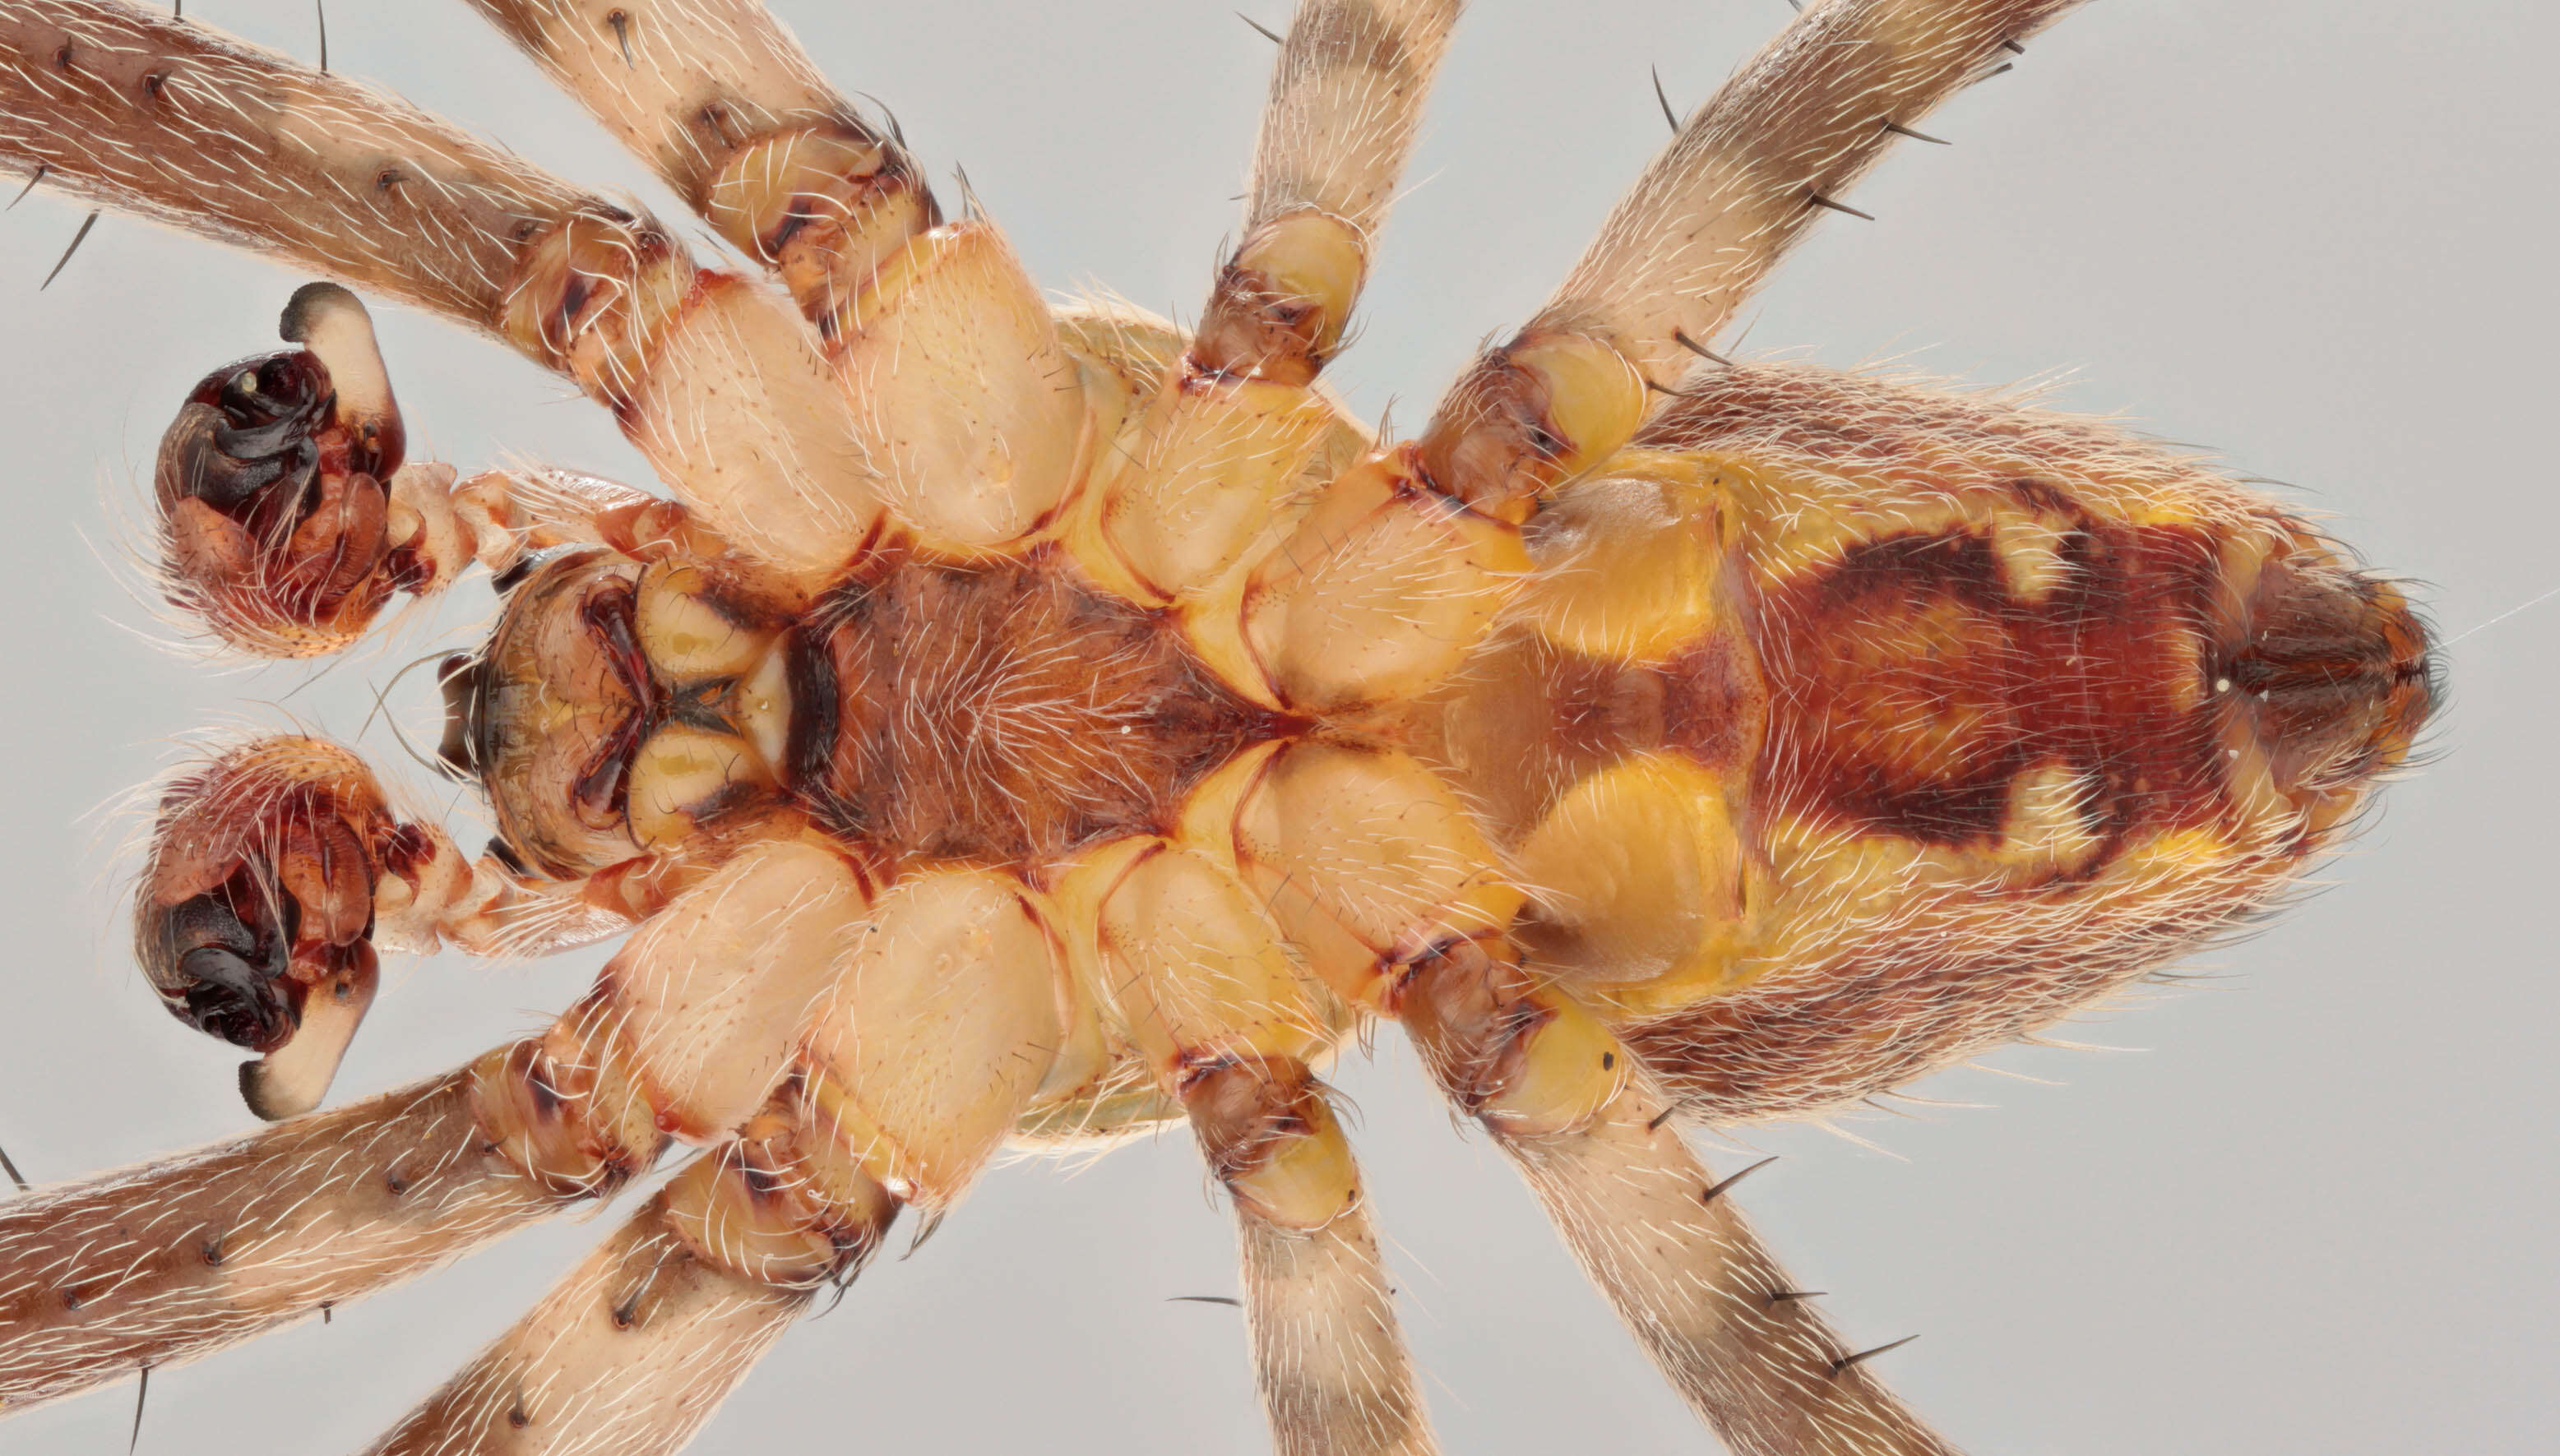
x: 1907, y: 689
x: 1004, y: 714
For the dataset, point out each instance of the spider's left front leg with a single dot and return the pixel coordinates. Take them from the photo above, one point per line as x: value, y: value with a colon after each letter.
x: 714, y: 379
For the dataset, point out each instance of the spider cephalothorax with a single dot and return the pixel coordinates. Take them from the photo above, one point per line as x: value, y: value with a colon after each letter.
x: 1021, y: 725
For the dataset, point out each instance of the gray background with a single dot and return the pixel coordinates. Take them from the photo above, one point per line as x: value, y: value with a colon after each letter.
x: 2313, y: 1218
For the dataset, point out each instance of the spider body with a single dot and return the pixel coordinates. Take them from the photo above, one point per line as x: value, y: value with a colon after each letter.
x: 1023, y: 727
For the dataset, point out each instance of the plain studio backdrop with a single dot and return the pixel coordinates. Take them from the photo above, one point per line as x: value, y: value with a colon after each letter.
x: 2311, y: 1216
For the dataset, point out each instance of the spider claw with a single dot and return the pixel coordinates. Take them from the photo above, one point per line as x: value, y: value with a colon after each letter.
x: 925, y: 1229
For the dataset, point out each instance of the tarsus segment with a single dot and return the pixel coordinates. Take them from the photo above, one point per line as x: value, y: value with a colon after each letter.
x: 1745, y: 177
x: 171, y: 1261
x: 1654, y: 1230
x: 1345, y: 99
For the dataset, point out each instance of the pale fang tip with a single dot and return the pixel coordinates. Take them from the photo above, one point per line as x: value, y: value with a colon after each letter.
x: 292, y: 1080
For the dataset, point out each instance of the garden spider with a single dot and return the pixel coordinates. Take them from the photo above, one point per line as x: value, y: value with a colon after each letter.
x: 417, y: 413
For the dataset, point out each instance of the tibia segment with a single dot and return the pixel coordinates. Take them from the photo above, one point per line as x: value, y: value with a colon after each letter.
x: 177, y: 121
x: 1328, y: 1353
x: 1746, y: 176
x: 1654, y: 1229
x: 165, y: 1262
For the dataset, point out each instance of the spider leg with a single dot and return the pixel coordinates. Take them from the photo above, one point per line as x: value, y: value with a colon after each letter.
x: 161, y: 1263
x: 1654, y: 1230
x: 1225, y: 439
x: 1326, y: 1351
x: 690, y: 1029
x: 637, y: 1346
x: 716, y: 380
x: 1744, y: 178
x: 1172, y: 941
x: 939, y: 1024
x: 974, y: 415
x: 720, y: 102
x: 1346, y: 100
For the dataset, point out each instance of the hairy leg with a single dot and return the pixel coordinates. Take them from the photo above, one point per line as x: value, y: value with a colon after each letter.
x: 969, y: 411
x: 1746, y: 176
x: 1224, y: 437
x: 637, y: 1346
x: 716, y: 382
x: 1655, y: 1231
x: 1346, y: 100
x: 1328, y: 1353
x: 162, y: 1264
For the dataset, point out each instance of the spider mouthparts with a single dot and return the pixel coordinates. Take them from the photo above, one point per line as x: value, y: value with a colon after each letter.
x: 293, y: 1078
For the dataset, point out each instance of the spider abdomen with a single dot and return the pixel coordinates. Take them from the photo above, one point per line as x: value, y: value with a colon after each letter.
x: 1850, y: 727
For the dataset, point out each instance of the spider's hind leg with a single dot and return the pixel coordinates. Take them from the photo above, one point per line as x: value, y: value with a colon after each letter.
x: 1746, y: 177
x: 1577, y: 1114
